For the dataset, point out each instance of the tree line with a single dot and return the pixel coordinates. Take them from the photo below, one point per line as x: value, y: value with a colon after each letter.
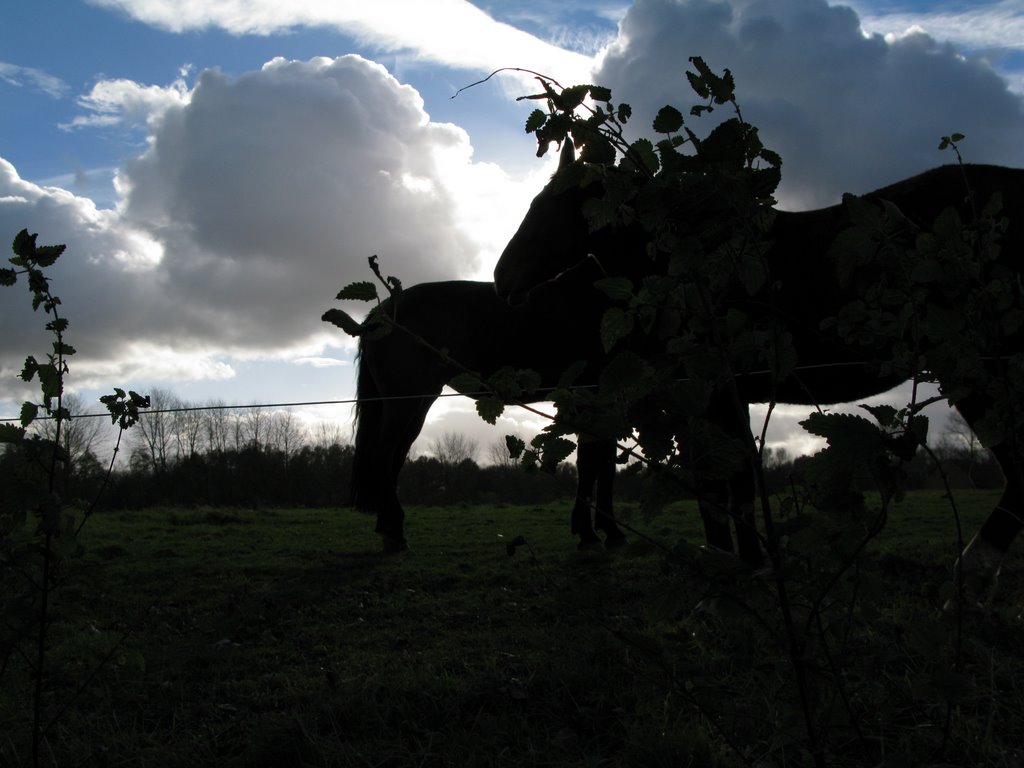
x: 183, y: 454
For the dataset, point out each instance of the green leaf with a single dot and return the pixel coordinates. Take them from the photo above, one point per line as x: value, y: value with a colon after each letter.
x: 600, y: 93
x: 615, y: 325
x: 854, y: 436
x: 361, y: 291
x: 884, y: 414
x: 46, y: 255
x: 626, y: 370
x: 490, y: 408
x: 598, y: 150
x: 571, y: 97
x: 466, y: 384
x: 515, y: 446
x: 24, y: 244
x: 615, y: 288
x: 8, y: 277
x: 625, y: 112
x: 555, y: 449
x: 11, y: 434
x: 29, y: 411
x: 536, y: 119
x: 926, y: 271
x: 668, y: 120
x: 643, y: 151
x: 29, y: 369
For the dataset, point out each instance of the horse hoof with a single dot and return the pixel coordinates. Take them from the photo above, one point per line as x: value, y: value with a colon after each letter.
x: 616, y: 542
x: 394, y: 546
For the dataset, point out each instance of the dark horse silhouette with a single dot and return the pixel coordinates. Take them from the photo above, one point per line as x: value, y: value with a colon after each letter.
x: 805, y: 286
x: 401, y: 374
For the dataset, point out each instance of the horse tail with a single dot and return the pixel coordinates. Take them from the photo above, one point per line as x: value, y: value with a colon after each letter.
x: 368, y: 417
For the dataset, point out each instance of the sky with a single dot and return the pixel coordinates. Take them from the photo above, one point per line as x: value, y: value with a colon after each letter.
x: 220, y: 169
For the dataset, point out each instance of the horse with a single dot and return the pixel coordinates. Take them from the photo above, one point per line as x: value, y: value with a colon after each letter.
x: 806, y: 284
x: 439, y: 330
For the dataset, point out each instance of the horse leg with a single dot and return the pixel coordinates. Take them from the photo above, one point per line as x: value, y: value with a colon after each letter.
x: 403, y: 426
x: 587, y: 469
x: 742, y: 510
x: 605, y: 515
x: 732, y: 499
x: 980, y: 562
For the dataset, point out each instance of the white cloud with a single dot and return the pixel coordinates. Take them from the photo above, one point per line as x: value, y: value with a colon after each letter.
x: 847, y: 112
x: 451, y: 32
x: 36, y: 79
x: 982, y: 26
x: 113, y: 102
x: 256, y: 200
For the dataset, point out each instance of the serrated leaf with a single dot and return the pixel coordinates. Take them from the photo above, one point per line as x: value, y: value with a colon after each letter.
x: 11, y: 434
x: 29, y: 369
x: 884, y: 414
x: 490, y: 408
x: 616, y: 288
x: 598, y: 150
x: 600, y: 93
x: 343, y: 320
x: 853, y: 436
x: 29, y: 411
x: 46, y: 255
x: 24, y: 244
x: 624, y: 112
x: 536, y: 119
x: 571, y: 97
x: 363, y: 290
x: 668, y: 120
x: 643, y: 151
x: 626, y: 370
x: 8, y: 277
x: 555, y: 449
x: 615, y: 325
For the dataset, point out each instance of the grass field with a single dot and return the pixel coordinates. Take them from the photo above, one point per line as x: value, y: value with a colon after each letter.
x: 282, y: 637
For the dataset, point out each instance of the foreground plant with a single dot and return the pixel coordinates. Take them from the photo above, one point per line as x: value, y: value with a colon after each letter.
x: 38, y: 525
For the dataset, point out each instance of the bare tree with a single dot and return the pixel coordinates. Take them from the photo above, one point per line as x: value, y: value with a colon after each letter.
x: 217, y: 423
x: 188, y: 432
x: 79, y: 434
x: 453, y: 448
x: 285, y: 433
x: 155, y: 431
x: 328, y: 433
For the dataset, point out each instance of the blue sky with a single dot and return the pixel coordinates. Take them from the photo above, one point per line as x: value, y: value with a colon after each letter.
x: 220, y: 169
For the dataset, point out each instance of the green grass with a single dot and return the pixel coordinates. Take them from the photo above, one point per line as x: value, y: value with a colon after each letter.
x: 282, y: 637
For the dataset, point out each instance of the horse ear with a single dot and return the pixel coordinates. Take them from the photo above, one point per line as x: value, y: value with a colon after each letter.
x: 568, y: 154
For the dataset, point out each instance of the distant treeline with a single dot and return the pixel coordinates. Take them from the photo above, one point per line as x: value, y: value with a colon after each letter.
x: 254, y: 458
x: 320, y: 476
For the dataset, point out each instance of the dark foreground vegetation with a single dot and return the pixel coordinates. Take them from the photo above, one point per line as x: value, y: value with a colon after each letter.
x: 229, y: 637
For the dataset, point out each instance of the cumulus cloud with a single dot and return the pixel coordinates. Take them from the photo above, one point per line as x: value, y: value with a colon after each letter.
x: 256, y: 200
x: 846, y: 110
